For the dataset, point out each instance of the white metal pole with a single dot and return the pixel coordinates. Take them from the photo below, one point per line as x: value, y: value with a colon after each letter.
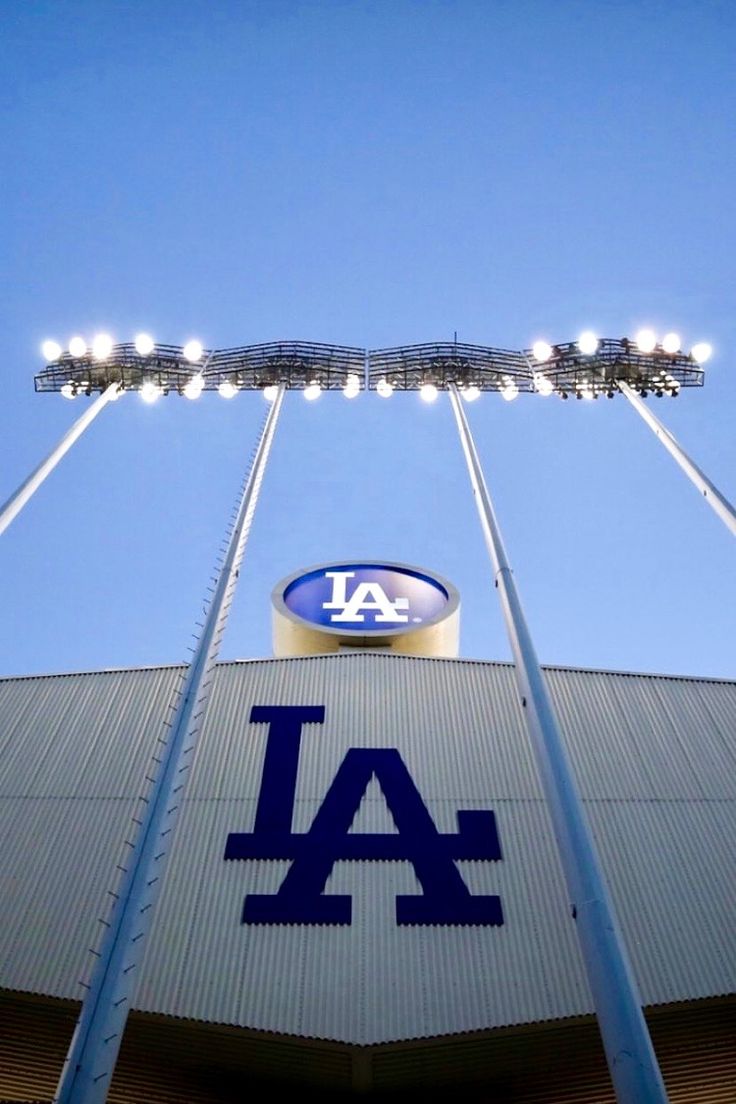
x: 93, y: 1051
x: 17, y: 501
x: 631, y: 1060
x: 717, y: 502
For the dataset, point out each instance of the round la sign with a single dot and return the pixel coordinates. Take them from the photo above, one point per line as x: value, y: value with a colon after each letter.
x: 363, y: 604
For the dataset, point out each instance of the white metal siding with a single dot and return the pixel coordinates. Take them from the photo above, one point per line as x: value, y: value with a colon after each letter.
x: 655, y: 758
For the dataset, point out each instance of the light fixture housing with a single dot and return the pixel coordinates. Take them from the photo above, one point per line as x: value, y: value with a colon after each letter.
x: 144, y: 344
x: 102, y: 346
x: 541, y: 351
x: 77, y: 347
x: 588, y: 343
x: 150, y: 392
x: 51, y: 350
x: 192, y: 351
x: 646, y: 340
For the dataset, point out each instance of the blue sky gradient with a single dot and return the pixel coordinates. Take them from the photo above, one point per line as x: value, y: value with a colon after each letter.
x: 370, y: 174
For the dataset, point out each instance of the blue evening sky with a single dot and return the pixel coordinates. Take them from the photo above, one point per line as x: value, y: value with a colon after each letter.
x: 373, y: 174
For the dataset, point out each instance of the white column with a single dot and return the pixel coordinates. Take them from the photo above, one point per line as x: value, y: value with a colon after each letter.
x: 90, y: 1061
x: 17, y: 501
x: 631, y: 1060
x: 717, y: 502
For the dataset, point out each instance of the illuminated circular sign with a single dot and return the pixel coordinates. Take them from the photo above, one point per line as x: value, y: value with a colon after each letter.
x: 366, y: 599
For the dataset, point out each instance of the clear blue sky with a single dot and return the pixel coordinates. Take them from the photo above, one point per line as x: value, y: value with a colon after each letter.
x: 368, y: 173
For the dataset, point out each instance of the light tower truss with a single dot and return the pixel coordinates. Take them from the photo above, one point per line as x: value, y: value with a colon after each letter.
x: 410, y: 367
x: 293, y: 364
x: 568, y: 371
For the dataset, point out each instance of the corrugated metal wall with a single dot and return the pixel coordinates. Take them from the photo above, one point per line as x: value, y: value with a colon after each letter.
x: 655, y: 757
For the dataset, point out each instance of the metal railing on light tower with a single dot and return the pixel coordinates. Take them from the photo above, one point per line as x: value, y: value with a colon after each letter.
x: 93, y: 1052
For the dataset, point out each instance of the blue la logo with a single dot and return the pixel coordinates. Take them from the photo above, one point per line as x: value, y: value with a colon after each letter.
x: 301, y: 899
x: 367, y: 598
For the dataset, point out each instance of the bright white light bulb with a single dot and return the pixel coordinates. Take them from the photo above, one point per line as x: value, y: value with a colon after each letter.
x: 193, y: 389
x: 192, y: 351
x: 587, y: 392
x: 471, y: 393
x: 51, y: 350
x: 144, y: 344
x: 701, y: 352
x: 428, y: 392
x: 587, y: 343
x: 646, y: 341
x: 78, y: 347
x: 227, y: 389
x: 542, y: 351
x: 150, y: 391
x: 351, y: 390
x: 384, y: 389
x: 543, y: 384
x: 312, y: 391
x: 270, y: 392
x: 510, y: 391
x: 117, y: 393
x: 67, y: 390
x: 102, y: 346
x: 671, y: 343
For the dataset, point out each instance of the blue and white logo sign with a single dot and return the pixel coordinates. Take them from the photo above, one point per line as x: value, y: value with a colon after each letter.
x: 371, y: 599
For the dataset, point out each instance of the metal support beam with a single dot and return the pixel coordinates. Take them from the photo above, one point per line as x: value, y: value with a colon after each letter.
x: 717, y: 502
x: 93, y: 1051
x: 17, y: 501
x: 631, y: 1059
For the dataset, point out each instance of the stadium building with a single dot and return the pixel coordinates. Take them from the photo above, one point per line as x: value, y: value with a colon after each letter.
x: 364, y: 894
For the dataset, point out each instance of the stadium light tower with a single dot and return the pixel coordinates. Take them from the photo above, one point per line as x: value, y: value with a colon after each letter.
x: 155, y: 370
x: 92, y: 1055
x: 589, y: 367
x: 631, y: 1060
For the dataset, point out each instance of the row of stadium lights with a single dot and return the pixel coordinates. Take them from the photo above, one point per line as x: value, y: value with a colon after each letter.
x: 645, y: 342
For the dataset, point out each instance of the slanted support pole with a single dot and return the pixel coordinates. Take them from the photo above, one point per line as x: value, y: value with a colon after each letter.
x: 631, y: 1060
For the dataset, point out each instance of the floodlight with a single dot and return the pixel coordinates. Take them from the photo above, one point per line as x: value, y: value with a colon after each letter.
x: 270, y: 392
x: 193, y: 389
x: 471, y: 393
x: 384, y: 389
x: 227, y: 389
x: 51, y: 350
x: 542, y: 384
x: 542, y: 351
x: 587, y: 343
x: 671, y: 343
x: 102, y: 346
x: 67, y: 390
x: 428, y: 392
x: 78, y: 347
x: 144, y: 344
x: 192, y: 351
x: 701, y: 352
x: 646, y: 341
x: 150, y: 391
x: 312, y: 391
x: 352, y: 387
x: 509, y: 391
